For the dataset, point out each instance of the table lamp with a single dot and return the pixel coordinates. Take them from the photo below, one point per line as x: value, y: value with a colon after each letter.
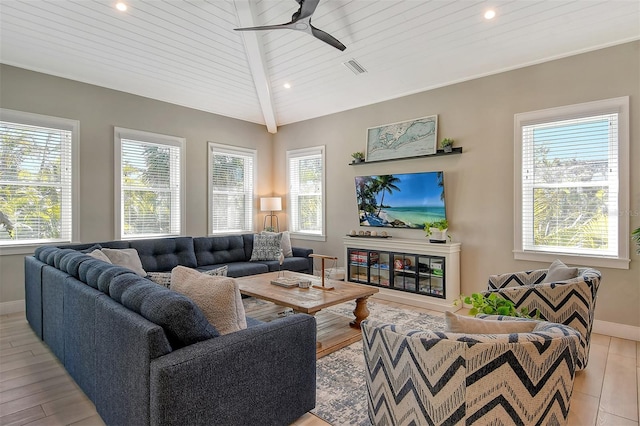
x: 271, y: 204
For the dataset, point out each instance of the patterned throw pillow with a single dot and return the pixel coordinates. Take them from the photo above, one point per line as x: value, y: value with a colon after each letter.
x: 266, y: 247
x: 162, y: 278
x: 285, y: 243
x: 218, y: 272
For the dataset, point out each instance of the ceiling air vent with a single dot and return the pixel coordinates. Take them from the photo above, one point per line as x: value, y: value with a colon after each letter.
x: 354, y: 66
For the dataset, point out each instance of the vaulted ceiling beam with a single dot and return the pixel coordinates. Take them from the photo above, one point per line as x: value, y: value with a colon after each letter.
x: 255, y: 57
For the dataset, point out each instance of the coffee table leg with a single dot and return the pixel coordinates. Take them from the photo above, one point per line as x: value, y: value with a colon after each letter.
x: 361, y: 312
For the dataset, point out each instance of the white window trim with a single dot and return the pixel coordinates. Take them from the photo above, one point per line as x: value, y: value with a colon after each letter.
x: 294, y: 153
x: 233, y: 150
x: 615, y: 105
x: 120, y: 133
x: 58, y: 123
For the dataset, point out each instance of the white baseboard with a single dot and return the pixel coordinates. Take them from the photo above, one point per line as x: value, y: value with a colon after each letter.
x: 622, y: 331
x: 11, y: 307
x: 418, y: 301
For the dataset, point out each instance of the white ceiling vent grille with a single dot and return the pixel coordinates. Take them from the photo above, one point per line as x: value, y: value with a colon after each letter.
x: 354, y: 66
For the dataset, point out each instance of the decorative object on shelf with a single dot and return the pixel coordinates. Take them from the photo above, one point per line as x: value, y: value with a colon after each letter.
x: 369, y: 236
x: 405, y: 139
x: 636, y: 237
x: 437, y: 231
x: 271, y: 204
x: 358, y: 157
x: 323, y: 257
x: 447, y: 144
x: 492, y: 304
x: 353, y: 233
x: 439, y: 152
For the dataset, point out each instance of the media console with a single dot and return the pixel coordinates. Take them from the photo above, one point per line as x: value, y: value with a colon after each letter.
x: 413, y: 272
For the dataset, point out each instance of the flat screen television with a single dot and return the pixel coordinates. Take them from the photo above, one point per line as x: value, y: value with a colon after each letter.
x: 405, y: 200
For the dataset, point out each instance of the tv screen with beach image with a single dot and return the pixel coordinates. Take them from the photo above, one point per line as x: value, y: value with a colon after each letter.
x: 400, y: 200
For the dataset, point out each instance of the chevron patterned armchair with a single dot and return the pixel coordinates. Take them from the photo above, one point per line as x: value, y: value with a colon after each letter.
x: 571, y: 302
x: 442, y: 378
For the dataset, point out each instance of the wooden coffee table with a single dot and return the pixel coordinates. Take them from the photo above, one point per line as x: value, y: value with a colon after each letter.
x: 334, y: 331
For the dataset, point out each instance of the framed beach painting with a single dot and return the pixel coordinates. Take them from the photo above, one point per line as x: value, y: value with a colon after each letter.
x: 405, y: 139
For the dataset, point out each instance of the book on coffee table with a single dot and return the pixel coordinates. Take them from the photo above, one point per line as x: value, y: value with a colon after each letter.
x: 286, y: 282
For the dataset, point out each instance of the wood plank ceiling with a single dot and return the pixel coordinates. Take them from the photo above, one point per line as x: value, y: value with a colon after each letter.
x: 186, y: 52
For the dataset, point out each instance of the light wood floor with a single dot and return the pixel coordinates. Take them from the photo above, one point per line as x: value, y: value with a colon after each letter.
x: 36, y: 390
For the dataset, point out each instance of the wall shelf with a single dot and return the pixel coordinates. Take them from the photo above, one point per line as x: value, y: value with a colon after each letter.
x: 439, y: 153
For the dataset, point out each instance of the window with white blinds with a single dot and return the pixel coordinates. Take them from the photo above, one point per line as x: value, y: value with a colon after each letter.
x: 305, y: 178
x: 149, y: 184
x: 38, y: 178
x: 232, y: 172
x: 571, y: 181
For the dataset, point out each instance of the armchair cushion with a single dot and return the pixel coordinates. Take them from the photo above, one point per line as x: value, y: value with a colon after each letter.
x: 558, y: 271
x: 462, y: 324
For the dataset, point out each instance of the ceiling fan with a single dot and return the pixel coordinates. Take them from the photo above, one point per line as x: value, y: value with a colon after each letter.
x: 301, y: 21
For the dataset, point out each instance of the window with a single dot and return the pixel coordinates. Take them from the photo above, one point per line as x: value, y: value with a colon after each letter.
x: 149, y: 184
x: 572, y: 184
x: 38, y: 178
x: 305, y: 177
x: 232, y: 172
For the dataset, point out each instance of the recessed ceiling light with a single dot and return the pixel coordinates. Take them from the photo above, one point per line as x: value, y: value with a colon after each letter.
x: 490, y: 14
x: 121, y: 6
x: 287, y: 86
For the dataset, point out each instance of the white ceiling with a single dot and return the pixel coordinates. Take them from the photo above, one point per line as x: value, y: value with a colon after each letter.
x: 186, y: 52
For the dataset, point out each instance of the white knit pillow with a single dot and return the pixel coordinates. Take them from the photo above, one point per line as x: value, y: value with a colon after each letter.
x: 469, y: 325
x: 218, y: 297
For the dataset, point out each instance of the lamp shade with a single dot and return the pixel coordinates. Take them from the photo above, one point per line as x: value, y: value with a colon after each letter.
x: 273, y: 204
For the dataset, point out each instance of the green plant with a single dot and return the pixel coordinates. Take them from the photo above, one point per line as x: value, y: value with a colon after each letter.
x: 358, y: 155
x: 635, y: 235
x: 440, y: 225
x: 492, y: 304
x: 446, y: 142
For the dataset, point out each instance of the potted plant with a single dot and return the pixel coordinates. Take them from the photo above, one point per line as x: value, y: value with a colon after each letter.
x: 358, y: 157
x: 635, y: 235
x: 447, y: 144
x: 437, y: 231
x: 492, y: 304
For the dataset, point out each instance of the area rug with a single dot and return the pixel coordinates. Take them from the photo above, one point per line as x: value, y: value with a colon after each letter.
x: 341, y: 397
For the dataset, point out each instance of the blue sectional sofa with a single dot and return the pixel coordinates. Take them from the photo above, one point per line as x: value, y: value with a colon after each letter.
x: 146, y: 355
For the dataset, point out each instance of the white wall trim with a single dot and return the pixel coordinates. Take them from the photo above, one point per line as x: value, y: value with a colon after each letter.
x: 622, y: 331
x: 12, y: 307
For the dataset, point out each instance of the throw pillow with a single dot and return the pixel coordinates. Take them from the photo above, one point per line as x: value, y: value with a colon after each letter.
x: 162, y: 278
x: 266, y: 247
x: 218, y: 272
x: 91, y: 249
x: 285, y: 243
x: 99, y: 255
x: 558, y: 271
x: 469, y: 325
x: 218, y: 297
x: 127, y: 258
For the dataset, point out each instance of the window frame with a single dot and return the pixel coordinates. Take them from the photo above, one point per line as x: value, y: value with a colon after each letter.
x: 618, y: 106
x: 121, y: 133
x: 298, y: 153
x: 40, y: 120
x: 218, y: 148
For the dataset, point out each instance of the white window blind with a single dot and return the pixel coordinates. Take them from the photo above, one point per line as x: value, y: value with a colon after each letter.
x: 570, y: 185
x: 150, y: 181
x: 306, y: 191
x: 36, y: 178
x: 231, y: 184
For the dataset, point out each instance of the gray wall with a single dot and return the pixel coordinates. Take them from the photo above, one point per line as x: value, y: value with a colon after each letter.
x: 99, y: 110
x: 478, y: 114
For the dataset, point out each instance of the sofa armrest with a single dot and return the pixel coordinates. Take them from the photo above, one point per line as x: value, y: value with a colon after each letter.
x: 265, y: 375
x: 304, y: 252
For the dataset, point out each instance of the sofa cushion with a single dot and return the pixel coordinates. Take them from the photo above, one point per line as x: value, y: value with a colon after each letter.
x: 42, y: 253
x: 266, y: 247
x: 297, y: 264
x: 127, y: 258
x: 558, y: 271
x: 219, y: 250
x: 98, y: 254
x: 164, y: 254
x: 59, y: 254
x: 71, y: 264
x: 120, y: 283
x: 218, y: 297
x: 182, y: 320
x: 469, y: 325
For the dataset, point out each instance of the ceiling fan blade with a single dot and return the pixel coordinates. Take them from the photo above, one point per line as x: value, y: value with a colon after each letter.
x: 327, y: 38
x: 266, y: 27
x: 307, y: 7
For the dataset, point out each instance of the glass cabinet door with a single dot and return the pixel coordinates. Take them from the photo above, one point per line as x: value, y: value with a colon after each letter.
x: 431, y: 276
x: 358, y: 266
x: 404, y: 272
x: 379, y: 268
